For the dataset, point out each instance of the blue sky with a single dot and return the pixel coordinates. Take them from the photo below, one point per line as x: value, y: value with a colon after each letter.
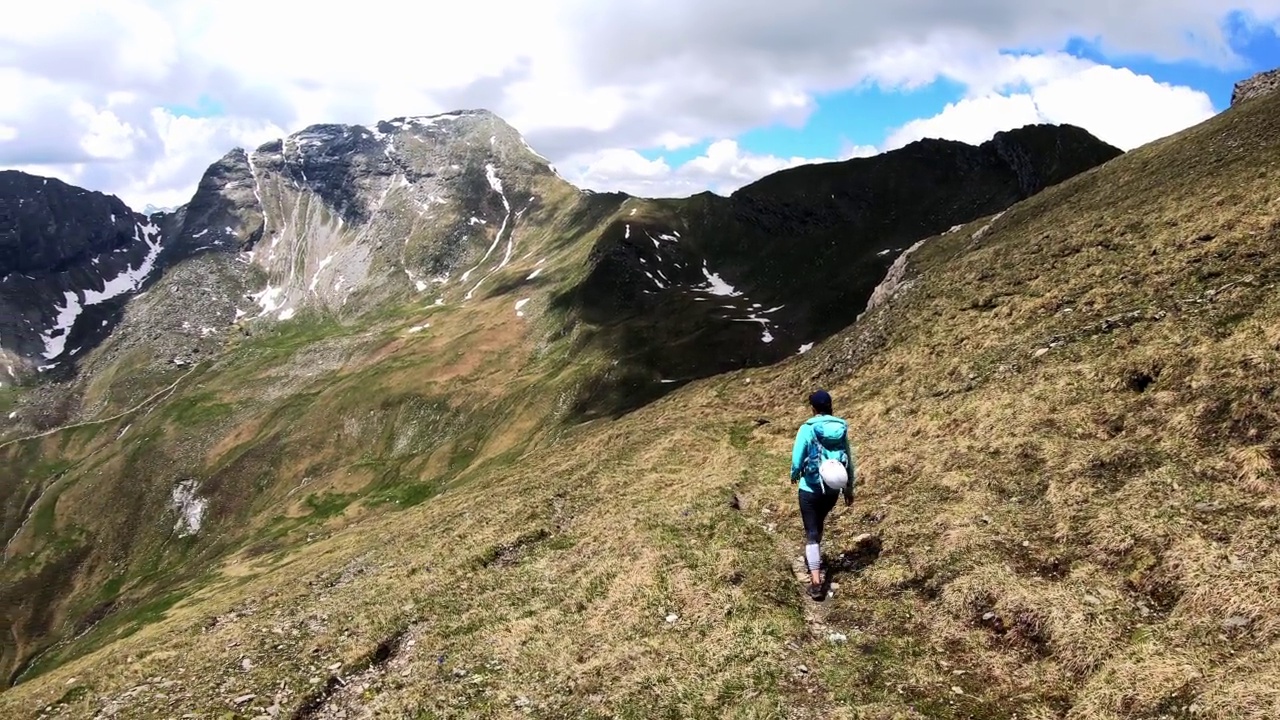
x: 205, y: 106
x: 865, y: 116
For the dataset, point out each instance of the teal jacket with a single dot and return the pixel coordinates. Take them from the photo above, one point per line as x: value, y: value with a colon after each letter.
x: 832, y: 432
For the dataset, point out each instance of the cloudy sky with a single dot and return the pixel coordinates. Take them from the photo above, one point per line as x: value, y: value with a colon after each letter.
x: 655, y: 97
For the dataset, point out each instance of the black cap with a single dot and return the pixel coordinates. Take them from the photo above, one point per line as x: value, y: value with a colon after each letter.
x: 820, y: 399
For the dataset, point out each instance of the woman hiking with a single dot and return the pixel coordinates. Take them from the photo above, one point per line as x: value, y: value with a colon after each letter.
x: 822, y: 464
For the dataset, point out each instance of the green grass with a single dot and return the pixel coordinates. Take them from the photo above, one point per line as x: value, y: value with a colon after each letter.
x: 274, y: 344
x: 118, y: 625
x: 1055, y: 541
x: 42, y: 523
x: 327, y: 505
x: 404, y: 495
x: 8, y: 399
x: 197, y: 409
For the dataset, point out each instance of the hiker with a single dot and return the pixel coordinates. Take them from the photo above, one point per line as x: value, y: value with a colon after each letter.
x: 822, y: 464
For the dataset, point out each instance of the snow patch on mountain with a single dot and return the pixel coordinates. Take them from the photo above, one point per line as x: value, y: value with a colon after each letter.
x: 315, y: 278
x: 129, y: 280
x: 495, y: 183
x: 269, y: 299
x: 190, y: 508
x: 715, y: 284
x: 765, y: 323
x: 55, y: 339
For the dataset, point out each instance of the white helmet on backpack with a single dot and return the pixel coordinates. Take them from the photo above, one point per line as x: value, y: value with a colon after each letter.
x: 833, y: 474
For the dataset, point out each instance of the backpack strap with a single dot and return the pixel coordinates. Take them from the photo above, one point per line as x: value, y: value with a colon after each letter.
x: 815, y: 458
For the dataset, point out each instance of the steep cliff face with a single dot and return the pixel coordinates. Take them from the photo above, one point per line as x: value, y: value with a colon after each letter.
x: 333, y: 211
x: 435, y: 201
x: 68, y: 260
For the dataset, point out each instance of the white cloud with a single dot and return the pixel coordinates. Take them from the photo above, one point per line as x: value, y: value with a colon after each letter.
x: 722, y: 168
x: 106, y: 136
x: 83, y: 78
x: 726, y: 165
x: 1115, y: 104
x: 182, y: 148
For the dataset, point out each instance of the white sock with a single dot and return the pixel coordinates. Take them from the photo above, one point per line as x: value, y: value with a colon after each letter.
x: 813, y: 556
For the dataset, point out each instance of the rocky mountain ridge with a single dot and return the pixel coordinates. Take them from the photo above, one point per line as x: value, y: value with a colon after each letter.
x: 1256, y: 86
x: 433, y: 206
x: 320, y: 201
x: 784, y: 262
x: 69, y: 258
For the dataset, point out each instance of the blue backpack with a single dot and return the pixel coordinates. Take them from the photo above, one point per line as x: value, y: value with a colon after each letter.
x: 829, y: 443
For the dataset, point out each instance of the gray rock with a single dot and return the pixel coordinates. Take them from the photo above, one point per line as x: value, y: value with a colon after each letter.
x: 1259, y: 85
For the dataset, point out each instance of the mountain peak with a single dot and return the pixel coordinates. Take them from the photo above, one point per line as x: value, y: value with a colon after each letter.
x: 469, y: 126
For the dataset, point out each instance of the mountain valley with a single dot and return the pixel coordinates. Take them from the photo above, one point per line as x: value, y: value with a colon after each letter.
x: 394, y: 421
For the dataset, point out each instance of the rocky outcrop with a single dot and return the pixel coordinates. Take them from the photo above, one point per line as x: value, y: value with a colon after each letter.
x: 708, y: 284
x: 1261, y: 84
x: 426, y: 205
x: 225, y: 214
x: 415, y: 204
x: 68, y: 259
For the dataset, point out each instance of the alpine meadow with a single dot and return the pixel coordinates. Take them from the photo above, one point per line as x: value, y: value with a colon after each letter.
x: 396, y: 422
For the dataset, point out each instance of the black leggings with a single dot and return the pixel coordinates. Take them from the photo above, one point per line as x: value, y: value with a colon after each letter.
x: 814, y: 508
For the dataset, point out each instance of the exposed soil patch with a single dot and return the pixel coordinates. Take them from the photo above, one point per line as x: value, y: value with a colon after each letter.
x: 510, y: 553
x: 335, y: 691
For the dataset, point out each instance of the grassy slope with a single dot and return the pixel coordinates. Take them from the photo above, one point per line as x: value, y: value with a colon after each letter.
x: 1089, y: 532
x: 291, y: 431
